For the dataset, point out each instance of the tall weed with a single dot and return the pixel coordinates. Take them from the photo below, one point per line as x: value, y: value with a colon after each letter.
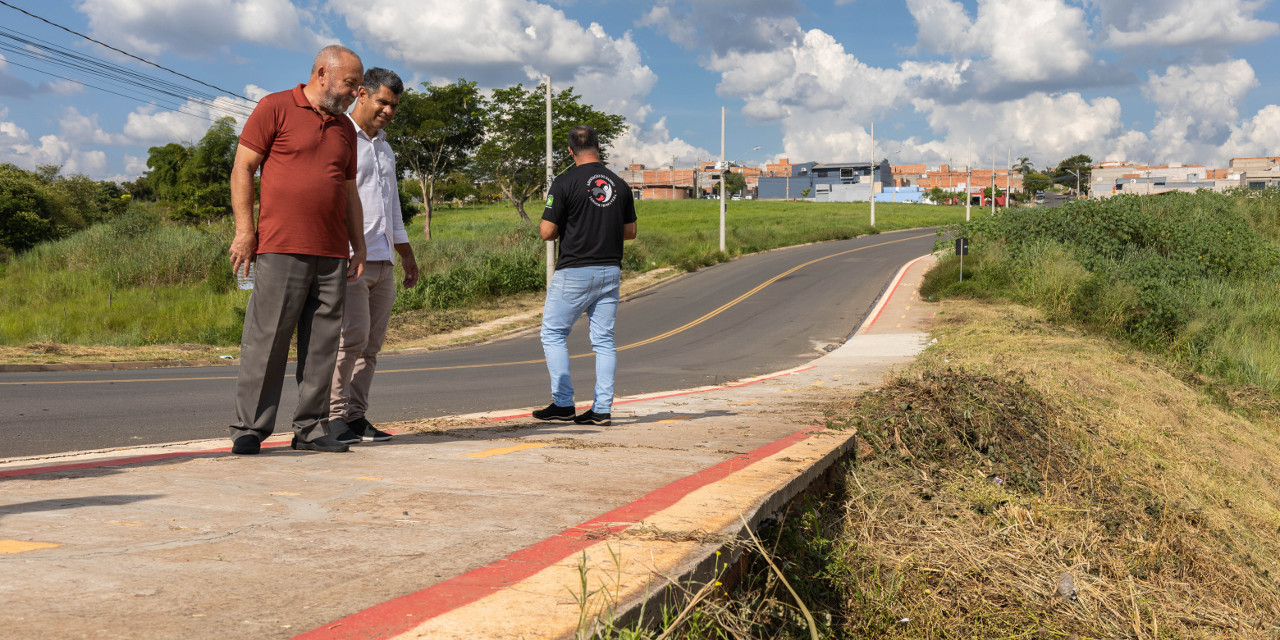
x: 1190, y: 275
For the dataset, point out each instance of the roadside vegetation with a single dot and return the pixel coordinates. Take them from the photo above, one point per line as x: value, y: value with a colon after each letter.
x: 1091, y: 448
x: 145, y: 279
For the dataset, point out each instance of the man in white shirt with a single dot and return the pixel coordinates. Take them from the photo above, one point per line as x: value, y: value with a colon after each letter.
x: 369, y: 299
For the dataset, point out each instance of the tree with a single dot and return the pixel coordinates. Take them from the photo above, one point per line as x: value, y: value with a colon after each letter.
x: 434, y: 134
x: 1035, y: 182
x: 513, y: 154
x: 734, y: 182
x: 1024, y: 166
x: 1074, y: 170
x: 165, y: 164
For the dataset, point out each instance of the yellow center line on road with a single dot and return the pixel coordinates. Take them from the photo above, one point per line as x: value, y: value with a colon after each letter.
x: 489, y: 453
x: 721, y: 309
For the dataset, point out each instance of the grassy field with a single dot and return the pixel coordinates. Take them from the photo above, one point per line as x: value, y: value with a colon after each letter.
x: 150, y: 286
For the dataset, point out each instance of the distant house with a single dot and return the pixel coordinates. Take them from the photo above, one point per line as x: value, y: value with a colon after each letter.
x: 824, y: 182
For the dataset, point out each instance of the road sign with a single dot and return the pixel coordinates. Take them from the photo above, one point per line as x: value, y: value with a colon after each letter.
x: 962, y: 246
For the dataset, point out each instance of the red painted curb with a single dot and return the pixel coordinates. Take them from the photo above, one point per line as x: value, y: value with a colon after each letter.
x: 406, y: 612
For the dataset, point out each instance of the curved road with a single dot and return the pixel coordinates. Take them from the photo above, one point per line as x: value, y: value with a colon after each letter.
x: 758, y: 314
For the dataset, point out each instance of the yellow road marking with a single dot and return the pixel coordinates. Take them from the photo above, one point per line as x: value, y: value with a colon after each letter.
x: 125, y: 523
x: 489, y: 453
x: 368, y: 478
x: 19, y: 546
x: 725, y: 307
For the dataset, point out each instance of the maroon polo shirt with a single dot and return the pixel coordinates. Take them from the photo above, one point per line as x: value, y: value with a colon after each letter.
x: 307, y: 159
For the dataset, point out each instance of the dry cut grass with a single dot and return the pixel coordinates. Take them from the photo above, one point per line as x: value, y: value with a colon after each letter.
x: 1024, y: 480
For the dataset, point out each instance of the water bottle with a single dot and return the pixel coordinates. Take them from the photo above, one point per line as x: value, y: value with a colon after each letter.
x: 245, y: 282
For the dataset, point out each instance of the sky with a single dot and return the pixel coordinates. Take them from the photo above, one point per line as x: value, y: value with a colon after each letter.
x: 1191, y: 81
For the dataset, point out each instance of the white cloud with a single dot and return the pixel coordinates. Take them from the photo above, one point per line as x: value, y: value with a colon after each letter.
x: 148, y: 125
x: 653, y: 147
x: 1196, y: 107
x: 1182, y: 23
x: 1019, y: 40
x: 1043, y: 126
x: 16, y: 147
x: 196, y: 28
x: 1257, y: 136
x: 499, y: 42
x: 80, y: 129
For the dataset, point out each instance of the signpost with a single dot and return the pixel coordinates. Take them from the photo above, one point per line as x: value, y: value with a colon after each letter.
x: 962, y: 250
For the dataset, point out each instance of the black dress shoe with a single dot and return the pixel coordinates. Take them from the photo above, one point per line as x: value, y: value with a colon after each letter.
x: 246, y: 445
x: 326, y: 443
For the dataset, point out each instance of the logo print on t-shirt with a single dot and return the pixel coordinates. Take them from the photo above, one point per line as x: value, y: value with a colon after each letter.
x: 602, y: 191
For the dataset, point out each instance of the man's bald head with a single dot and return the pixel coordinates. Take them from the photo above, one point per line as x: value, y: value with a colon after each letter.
x: 336, y: 75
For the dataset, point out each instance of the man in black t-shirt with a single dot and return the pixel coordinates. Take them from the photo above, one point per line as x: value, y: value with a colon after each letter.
x: 590, y: 210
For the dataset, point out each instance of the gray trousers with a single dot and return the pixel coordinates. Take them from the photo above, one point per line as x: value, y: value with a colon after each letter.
x: 290, y: 291
x: 364, y: 327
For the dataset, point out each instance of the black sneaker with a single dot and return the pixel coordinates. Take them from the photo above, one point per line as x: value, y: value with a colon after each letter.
x: 341, y: 431
x: 554, y: 412
x: 326, y: 443
x: 246, y: 445
x: 367, y: 431
x: 591, y: 417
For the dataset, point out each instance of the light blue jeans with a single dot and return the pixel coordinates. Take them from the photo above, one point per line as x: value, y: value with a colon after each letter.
x: 574, y: 291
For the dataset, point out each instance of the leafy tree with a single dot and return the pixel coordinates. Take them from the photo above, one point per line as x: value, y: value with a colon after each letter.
x: 210, y: 160
x: 31, y: 210
x: 1073, y: 169
x: 734, y: 182
x: 1024, y: 166
x: 434, y: 134
x: 513, y: 154
x: 165, y: 164
x: 1036, y: 182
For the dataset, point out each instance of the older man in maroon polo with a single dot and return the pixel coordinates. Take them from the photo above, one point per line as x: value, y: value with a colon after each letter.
x: 310, y: 213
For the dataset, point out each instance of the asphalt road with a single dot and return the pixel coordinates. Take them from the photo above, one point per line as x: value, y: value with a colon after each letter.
x: 755, y: 315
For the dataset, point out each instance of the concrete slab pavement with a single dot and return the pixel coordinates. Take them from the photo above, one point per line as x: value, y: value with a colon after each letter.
x: 476, y: 526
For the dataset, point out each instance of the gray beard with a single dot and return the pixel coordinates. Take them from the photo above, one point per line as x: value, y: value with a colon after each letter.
x: 332, y: 104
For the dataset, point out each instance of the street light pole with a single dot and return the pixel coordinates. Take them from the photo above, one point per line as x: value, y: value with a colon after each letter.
x: 873, y: 174
x: 968, y: 180
x: 551, y: 244
x: 723, y: 168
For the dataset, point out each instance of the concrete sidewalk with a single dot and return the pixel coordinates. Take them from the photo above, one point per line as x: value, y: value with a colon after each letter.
x: 474, y: 527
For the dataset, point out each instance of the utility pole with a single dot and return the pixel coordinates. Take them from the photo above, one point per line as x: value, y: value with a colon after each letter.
x: 873, y: 174
x: 968, y: 180
x: 551, y: 244
x: 1008, y: 171
x: 723, y: 168
x: 993, y: 179
x: 673, y: 177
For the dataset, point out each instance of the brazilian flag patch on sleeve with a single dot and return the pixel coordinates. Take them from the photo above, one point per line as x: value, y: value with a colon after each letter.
x: 550, y: 199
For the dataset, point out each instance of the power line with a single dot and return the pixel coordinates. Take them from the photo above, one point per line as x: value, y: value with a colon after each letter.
x: 144, y: 100
x: 39, y: 51
x: 122, y: 51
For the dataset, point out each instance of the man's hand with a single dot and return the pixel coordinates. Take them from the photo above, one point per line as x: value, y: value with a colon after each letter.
x: 355, y: 268
x: 409, y: 263
x: 244, y: 250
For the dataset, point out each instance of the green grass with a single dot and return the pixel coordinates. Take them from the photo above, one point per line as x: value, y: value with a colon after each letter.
x: 1192, y: 276
x: 142, y: 280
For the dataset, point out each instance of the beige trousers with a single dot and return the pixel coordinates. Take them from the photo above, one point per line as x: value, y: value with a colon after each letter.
x: 364, y: 327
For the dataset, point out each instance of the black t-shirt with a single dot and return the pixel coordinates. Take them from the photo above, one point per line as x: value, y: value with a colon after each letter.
x: 590, y: 204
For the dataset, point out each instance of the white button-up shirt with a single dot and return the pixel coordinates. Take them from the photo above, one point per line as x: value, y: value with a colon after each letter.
x: 376, y: 182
